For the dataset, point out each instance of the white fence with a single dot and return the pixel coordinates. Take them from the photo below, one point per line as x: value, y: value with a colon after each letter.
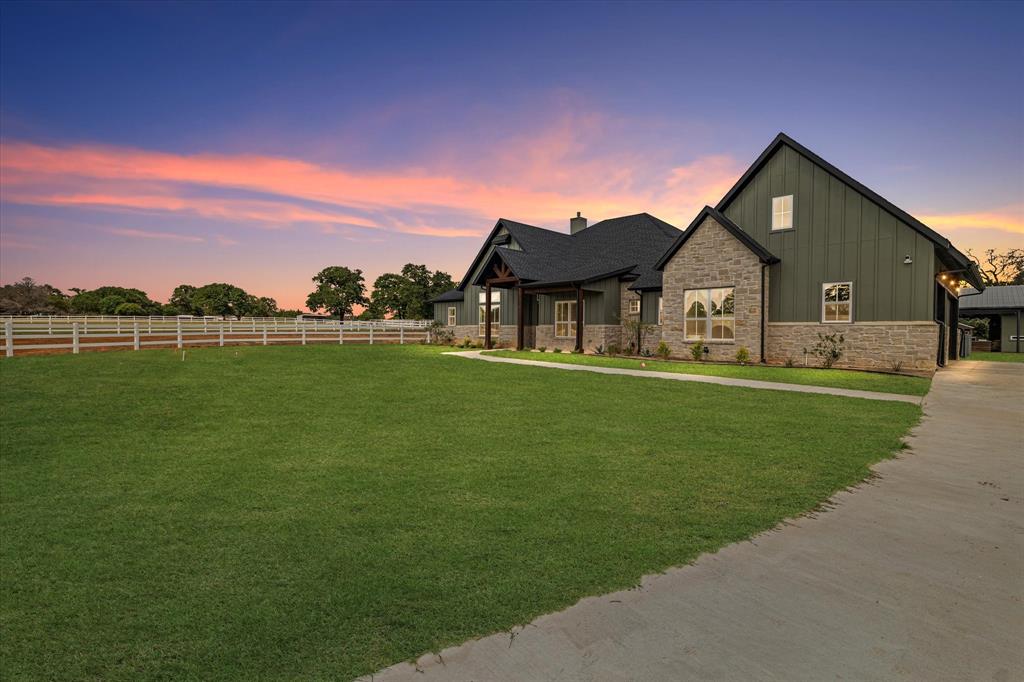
x: 40, y: 334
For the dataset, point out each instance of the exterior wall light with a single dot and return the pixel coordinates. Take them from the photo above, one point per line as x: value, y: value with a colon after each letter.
x: 907, y: 260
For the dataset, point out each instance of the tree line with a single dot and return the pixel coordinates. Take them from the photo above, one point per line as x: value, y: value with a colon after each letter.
x: 337, y: 291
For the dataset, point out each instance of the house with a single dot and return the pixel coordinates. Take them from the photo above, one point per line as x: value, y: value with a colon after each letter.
x: 1004, y: 307
x: 795, y: 249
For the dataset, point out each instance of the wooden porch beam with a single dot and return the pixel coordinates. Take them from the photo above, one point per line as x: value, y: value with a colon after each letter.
x: 519, y: 318
x: 487, y: 317
x: 579, y: 320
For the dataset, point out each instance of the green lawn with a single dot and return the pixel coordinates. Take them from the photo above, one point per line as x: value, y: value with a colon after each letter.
x: 996, y: 357
x: 322, y: 512
x: 811, y: 376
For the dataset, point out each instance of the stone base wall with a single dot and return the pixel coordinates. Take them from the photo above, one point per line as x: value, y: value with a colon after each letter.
x: 506, y: 334
x: 594, y: 335
x: 867, y: 345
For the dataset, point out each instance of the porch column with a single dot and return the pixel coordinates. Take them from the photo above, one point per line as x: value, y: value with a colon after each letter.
x: 519, y: 318
x: 579, y: 320
x: 487, y: 318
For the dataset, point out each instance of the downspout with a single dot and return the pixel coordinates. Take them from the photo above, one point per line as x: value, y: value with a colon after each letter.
x: 764, y: 360
x: 1018, y: 331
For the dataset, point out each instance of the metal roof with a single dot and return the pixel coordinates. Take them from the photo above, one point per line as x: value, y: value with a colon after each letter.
x: 993, y: 298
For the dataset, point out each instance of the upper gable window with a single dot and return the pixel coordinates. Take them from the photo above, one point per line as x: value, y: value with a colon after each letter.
x: 782, y: 212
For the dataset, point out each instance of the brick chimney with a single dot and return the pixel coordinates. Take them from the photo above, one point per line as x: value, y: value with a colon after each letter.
x: 577, y: 224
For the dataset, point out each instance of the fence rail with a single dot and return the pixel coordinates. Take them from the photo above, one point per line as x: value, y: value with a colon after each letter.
x: 71, y: 334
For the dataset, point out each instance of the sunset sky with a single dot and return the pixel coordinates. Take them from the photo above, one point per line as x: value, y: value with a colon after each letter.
x: 154, y: 144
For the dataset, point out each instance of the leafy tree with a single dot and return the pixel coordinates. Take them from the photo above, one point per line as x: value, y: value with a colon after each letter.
x: 980, y: 325
x: 262, y: 306
x: 219, y: 298
x: 999, y: 269
x: 407, y: 295
x: 183, y: 300
x: 337, y: 290
x: 26, y: 297
x: 129, y: 309
x: 105, y: 300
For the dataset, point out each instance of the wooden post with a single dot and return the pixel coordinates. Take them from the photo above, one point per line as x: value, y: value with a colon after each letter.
x: 135, y: 336
x: 519, y: 318
x: 74, y: 338
x: 49, y: 325
x: 303, y: 335
x: 487, y: 317
x: 264, y: 335
x: 579, y: 319
x: 220, y: 328
x: 179, y: 334
x: 401, y: 335
x: 371, y: 334
x: 9, y: 333
x: 341, y: 335
x: 118, y: 326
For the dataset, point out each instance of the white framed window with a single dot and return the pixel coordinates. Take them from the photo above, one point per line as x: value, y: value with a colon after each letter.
x: 837, y: 302
x: 661, y: 311
x: 782, y: 212
x: 495, y: 312
x: 634, y: 306
x: 565, y: 319
x: 451, y: 316
x: 710, y: 314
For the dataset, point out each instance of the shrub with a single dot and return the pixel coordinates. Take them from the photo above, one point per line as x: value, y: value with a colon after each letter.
x: 466, y: 343
x: 790, y: 362
x: 896, y: 366
x: 743, y: 355
x: 542, y: 348
x: 980, y: 327
x: 614, y: 349
x: 829, y: 349
x: 599, y: 350
x: 663, y: 350
x: 697, y: 350
x: 556, y: 349
x: 646, y: 353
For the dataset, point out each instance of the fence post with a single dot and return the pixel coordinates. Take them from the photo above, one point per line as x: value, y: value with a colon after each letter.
x: 264, y: 334
x: 74, y: 338
x: 151, y: 325
x: 231, y: 326
x: 220, y: 328
x: 303, y: 335
x: 204, y: 324
x: 49, y: 325
x: 254, y: 325
x: 9, y: 333
x: 135, y: 333
x: 86, y: 325
x: 401, y: 335
x: 179, y: 334
x: 119, y: 326
x: 371, y: 334
x: 341, y: 335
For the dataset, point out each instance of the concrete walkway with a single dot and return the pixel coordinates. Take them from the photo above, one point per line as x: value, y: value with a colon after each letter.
x: 916, y: 575
x: 701, y: 378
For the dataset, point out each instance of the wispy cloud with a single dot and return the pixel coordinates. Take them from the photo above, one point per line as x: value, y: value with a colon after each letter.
x: 146, y: 234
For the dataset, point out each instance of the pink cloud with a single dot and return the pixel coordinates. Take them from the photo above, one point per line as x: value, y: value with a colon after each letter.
x: 145, y: 234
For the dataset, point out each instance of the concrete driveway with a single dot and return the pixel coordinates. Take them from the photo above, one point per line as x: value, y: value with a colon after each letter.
x: 917, y: 574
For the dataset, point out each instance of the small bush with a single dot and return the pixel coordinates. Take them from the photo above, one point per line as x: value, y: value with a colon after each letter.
x: 646, y: 353
x: 663, y: 350
x: 896, y: 366
x: 697, y: 350
x: 790, y: 362
x: 599, y: 349
x: 466, y: 343
x: 613, y: 349
x: 542, y: 348
x: 556, y: 349
x: 743, y: 355
x: 829, y: 349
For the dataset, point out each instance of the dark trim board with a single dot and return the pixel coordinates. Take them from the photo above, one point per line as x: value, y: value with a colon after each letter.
x: 735, y: 230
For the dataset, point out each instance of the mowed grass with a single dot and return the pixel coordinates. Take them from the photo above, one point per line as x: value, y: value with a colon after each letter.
x: 322, y: 512
x: 995, y: 357
x: 810, y: 376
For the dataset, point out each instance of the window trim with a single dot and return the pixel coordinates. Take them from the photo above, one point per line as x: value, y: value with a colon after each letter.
x: 661, y: 310
x: 708, y: 318
x: 633, y: 301
x: 452, y: 316
x: 826, y: 285
x: 792, y: 213
x: 570, y: 320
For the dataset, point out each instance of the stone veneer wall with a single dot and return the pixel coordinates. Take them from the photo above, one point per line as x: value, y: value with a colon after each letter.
x: 593, y: 336
x: 710, y: 259
x: 868, y: 345
x: 506, y: 334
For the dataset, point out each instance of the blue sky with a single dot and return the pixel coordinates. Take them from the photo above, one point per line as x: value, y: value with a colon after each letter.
x: 151, y: 144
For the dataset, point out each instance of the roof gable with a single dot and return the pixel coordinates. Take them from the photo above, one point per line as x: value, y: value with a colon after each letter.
x: 953, y: 255
x: 732, y: 228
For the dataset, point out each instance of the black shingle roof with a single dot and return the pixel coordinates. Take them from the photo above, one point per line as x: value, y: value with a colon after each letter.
x: 450, y: 295
x: 992, y: 298
x: 628, y: 245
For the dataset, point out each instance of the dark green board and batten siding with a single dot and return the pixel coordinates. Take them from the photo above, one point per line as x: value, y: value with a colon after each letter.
x: 838, y: 235
x: 600, y: 305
